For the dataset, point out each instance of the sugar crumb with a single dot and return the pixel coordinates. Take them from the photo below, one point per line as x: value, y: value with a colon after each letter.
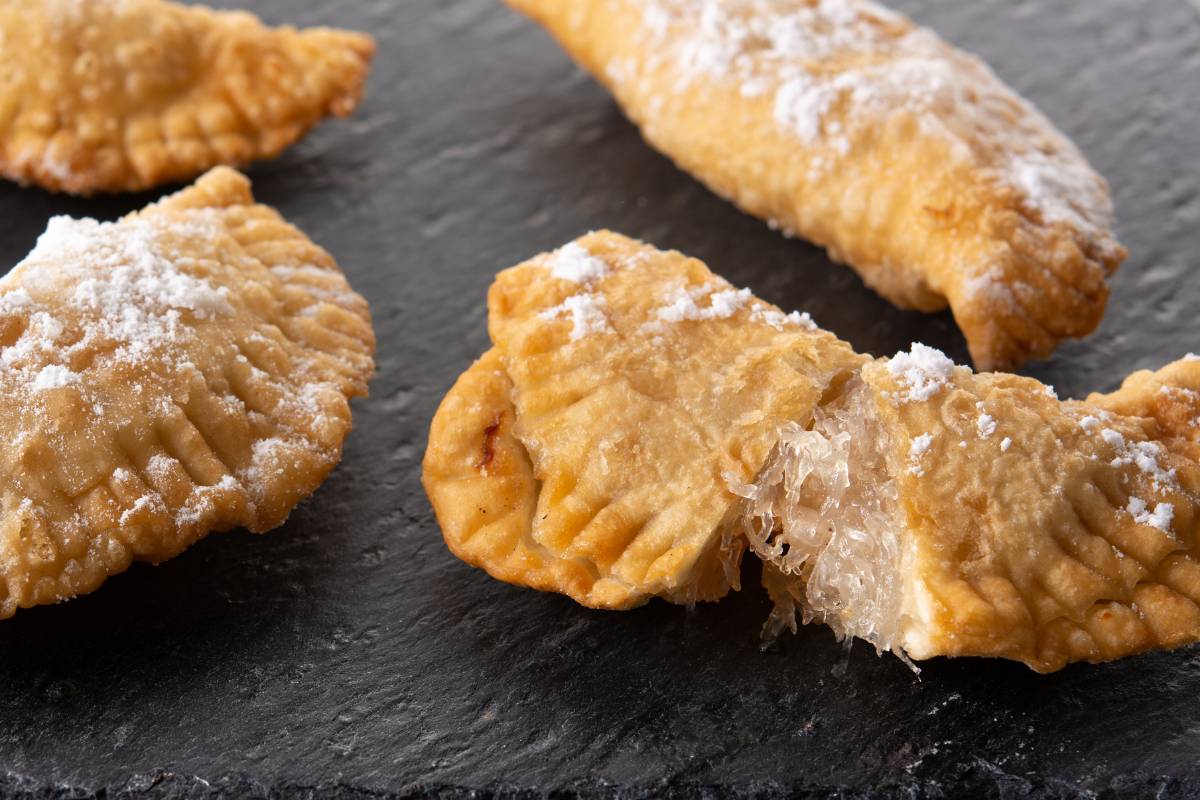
x: 586, y: 313
x: 916, y: 452
x: 924, y: 370
x: 575, y: 263
x: 779, y: 320
x: 1161, y: 517
x: 682, y: 303
x: 53, y: 376
x: 985, y: 426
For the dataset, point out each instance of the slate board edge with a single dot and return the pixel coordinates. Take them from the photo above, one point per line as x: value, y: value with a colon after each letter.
x: 977, y: 779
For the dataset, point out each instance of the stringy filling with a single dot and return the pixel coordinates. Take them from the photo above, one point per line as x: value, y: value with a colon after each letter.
x: 824, y: 517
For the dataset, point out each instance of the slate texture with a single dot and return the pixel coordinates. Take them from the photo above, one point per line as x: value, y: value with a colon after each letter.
x: 350, y: 655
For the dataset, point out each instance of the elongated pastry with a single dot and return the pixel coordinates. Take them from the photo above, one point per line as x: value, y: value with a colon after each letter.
x: 590, y: 451
x: 844, y: 123
x: 631, y: 397
x: 107, y: 96
x: 185, y: 370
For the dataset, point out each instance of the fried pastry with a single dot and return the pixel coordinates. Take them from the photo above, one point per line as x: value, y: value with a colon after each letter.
x: 933, y: 511
x: 184, y: 370
x: 105, y: 96
x: 591, y: 451
x: 631, y: 396
x: 844, y: 123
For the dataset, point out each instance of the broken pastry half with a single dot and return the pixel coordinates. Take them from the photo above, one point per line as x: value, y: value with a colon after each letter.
x: 184, y: 370
x: 845, y: 123
x: 124, y: 96
x: 639, y: 423
x: 591, y: 451
x: 933, y: 511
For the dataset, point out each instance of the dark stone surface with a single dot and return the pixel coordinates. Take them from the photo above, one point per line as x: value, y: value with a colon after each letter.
x: 349, y: 654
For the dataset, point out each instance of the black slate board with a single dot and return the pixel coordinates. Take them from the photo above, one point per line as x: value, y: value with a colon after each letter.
x: 349, y: 654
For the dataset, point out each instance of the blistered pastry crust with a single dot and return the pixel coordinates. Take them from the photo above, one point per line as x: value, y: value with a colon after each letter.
x: 631, y: 426
x: 120, y: 97
x: 185, y: 370
x: 842, y: 122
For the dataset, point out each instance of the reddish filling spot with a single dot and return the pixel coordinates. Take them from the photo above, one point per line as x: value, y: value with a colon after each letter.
x: 489, y: 440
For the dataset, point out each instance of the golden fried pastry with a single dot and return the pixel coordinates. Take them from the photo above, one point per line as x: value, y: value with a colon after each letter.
x: 187, y: 369
x: 592, y: 450
x: 845, y: 123
x: 933, y: 511
x: 106, y: 96
x: 598, y: 449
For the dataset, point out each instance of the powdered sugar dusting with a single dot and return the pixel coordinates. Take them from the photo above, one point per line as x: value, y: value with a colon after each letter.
x: 53, y: 376
x: 923, y: 370
x: 779, y: 320
x: 1161, y: 517
x: 682, y: 303
x: 1144, y: 455
x: 1147, y: 457
x: 575, y: 263
x: 122, y: 313
x: 985, y: 426
x: 916, y: 453
x: 836, y: 70
x: 586, y: 313
x: 127, y: 296
x: 718, y: 300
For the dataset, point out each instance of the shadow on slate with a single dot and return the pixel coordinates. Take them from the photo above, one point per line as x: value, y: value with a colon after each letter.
x: 350, y: 655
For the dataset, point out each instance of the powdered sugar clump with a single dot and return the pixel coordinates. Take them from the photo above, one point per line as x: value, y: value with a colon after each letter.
x: 1005, y: 444
x: 1161, y: 517
x: 985, y: 425
x: 779, y: 320
x: 718, y: 300
x: 681, y: 303
x: 924, y: 370
x: 916, y: 452
x: 575, y: 263
x: 586, y: 312
x: 53, y: 376
x: 1144, y: 455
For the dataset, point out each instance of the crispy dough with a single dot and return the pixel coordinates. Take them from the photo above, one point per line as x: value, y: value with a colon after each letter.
x: 1008, y: 523
x: 185, y: 370
x: 597, y: 450
x: 597, y: 464
x: 118, y: 97
x: 1033, y: 552
x: 1170, y: 397
x: 843, y: 122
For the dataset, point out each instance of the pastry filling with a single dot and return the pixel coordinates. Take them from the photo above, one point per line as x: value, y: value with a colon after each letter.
x: 824, y: 517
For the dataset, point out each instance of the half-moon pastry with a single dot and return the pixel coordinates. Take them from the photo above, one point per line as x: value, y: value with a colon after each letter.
x: 184, y: 370
x: 104, y: 96
x: 845, y: 123
x: 592, y: 450
x: 933, y: 511
x: 631, y: 396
